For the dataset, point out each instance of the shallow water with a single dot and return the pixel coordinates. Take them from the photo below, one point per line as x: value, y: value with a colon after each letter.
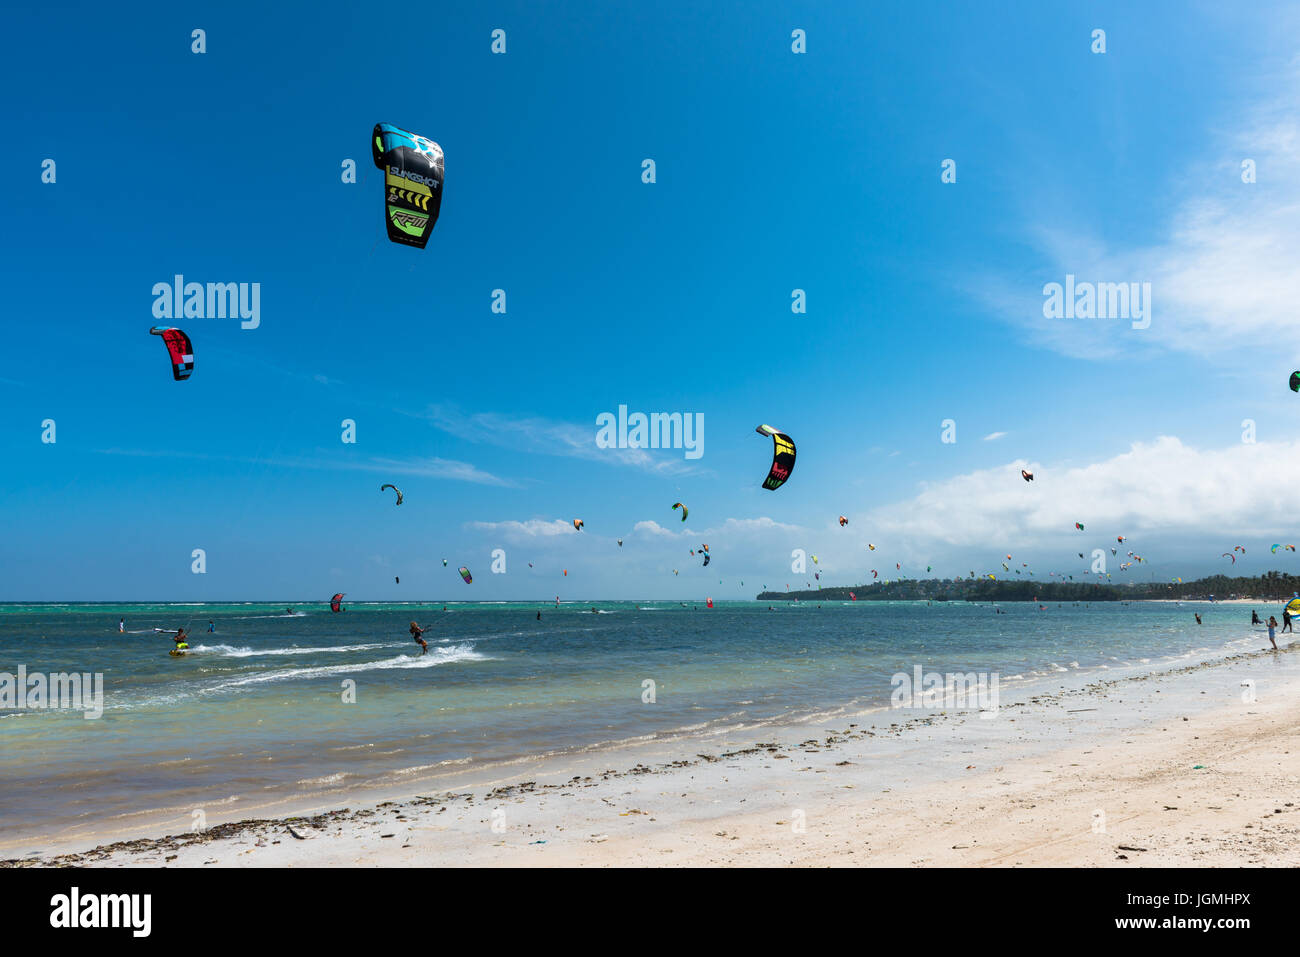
x: 258, y: 706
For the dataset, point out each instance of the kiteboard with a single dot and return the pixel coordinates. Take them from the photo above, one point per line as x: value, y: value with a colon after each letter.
x: 176, y: 654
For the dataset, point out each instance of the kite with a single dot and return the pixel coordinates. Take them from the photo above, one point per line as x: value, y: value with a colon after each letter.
x: 179, y: 348
x: 870, y: 546
x: 1229, y: 555
x: 874, y: 573
x: 566, y: 573
x: 620, y: 543
x: 707, y: 557
x: 1293, y: 606
x: 928, y: 567
x: 782, y: 457
x: 1275, y: 548
x: 334, y: 602
x: 1027, y: 476
x: 1295, y: 381
x: 577, y: 524
x: 1120, y: 539
x: 843, y: 521
x: 1239, y: 548
x: 464, y: 573
x: 399, y: 495
x: 397, y: 580
x: 685, y: 510
x: 444, y: 563
x: 413, y: 173
x: 853, y: 596
x: 1079, y: 526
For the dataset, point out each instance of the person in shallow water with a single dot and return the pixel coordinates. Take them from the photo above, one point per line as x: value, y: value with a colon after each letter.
x: 1198, y: 617
x: 1272, y: 624
x: 1254, y: 617
x: 1286, y: 621
x: 417, y: 633
x: 211, y: 626
x: 121, y: 625
x: 180, y: 639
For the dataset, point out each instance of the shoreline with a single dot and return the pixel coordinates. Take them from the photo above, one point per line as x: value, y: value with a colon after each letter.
x: 875, y: 787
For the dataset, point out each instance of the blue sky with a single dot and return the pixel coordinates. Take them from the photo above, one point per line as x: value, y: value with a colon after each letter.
x: 775, y: 171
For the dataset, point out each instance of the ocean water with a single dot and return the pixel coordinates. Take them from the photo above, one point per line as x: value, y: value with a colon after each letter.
x: 257, y: 708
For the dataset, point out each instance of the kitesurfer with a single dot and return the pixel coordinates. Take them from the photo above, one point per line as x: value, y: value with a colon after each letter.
x: 539, y: 616
x: 417, y: 632
x: 181, y: 643
x: 121, y: 626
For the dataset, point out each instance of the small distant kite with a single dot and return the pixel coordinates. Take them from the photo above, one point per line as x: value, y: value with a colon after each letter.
x: 1239, y: 548
x: 1079, y: 526
x: 874, y: 573
x: 335, y: 602
x: 1295, y: 381
x: 399, y: 494
x: 685, y: 511
x: 782, y: 457
x: 1120, y: 539
x: 577, y: 524
x: 843, y: 521
x: 179, y: 348
x: 464, y: 573
x: 397, y: 580
x: 444, y: 563
x: 1229, y: 555
x: 1027, y: 476
x: 620, y: 543
x: 870, y: 546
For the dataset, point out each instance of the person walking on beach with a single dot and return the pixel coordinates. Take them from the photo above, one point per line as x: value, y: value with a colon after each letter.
x: 417, y: 633
x: 1272, y: 623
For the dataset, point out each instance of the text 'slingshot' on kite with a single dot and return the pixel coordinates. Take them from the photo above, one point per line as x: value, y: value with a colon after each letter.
x: 413, y: 173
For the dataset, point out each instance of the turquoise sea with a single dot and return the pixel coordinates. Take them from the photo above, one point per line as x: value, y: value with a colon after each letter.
x: 258, y: 706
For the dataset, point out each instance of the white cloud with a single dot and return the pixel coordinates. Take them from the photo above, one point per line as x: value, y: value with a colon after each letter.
x: 994, y: 436
x: 1162, y: 487
x: 531, y: 529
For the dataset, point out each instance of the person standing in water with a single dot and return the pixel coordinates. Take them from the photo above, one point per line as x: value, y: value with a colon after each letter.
x: 1272, y: 624
x: 1286, y: 621
x: 211, y: 626
x: 121, y: 626
x: 180, y: 639
x: 417, y: 633
x: 1198, y: 617
x: 1254, y: 617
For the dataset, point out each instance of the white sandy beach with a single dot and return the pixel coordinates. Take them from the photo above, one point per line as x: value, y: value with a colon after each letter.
x: 1171, y: 769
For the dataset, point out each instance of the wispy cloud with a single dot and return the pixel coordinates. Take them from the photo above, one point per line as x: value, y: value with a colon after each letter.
x: 425, y: 467
x: 1222, y: 275
x: 994, y: 436
x: 550, y: 437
